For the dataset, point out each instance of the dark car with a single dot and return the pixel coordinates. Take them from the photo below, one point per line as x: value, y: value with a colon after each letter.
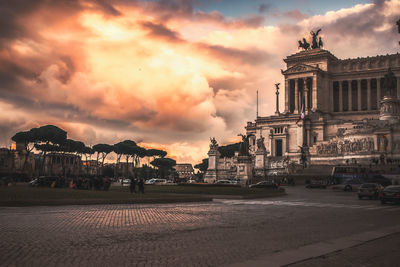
x: 390, y: 194
x: 370, y: 190
x: 379, y: 179
x: 317, y: 184
x: 265, y: 184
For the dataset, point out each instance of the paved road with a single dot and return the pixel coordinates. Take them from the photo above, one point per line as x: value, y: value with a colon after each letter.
x: 267, y: 232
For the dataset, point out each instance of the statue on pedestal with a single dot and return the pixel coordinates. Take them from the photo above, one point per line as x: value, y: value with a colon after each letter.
x: 214, y: 143
x: 390, y: 84
x: 260, y: 144
x: 244, y: 145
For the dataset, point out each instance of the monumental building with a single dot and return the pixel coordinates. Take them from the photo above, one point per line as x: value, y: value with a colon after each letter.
x: 336, y: 111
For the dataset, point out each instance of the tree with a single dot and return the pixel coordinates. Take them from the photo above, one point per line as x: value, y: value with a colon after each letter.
x: 72, y: 146
x: 164, y: 165
x: 102, y: 151
x: 156, y: 153
x: 138, y: 153
x: 45, y: 138
x: 228, y: 151
x: 48, y: 138
x: 88, y: 152
x: 124, y: 148
x: 203, y: 166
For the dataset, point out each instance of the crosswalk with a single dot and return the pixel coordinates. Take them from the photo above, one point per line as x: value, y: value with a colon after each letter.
x: 302, y: 203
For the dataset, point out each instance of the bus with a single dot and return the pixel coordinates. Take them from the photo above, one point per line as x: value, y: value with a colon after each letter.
x: 349, y: 178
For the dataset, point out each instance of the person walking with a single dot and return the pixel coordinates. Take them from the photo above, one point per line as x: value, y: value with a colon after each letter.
x: 141, y: 186
x: 132, y: 186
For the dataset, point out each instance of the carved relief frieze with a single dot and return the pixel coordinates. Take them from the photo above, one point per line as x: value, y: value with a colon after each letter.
x: 340, y: 147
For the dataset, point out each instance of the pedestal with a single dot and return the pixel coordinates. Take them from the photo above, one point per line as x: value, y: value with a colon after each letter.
x: 244, y: 169
x: 212, y: 172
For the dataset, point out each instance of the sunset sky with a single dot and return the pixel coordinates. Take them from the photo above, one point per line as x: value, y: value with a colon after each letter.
x: 167, y: 74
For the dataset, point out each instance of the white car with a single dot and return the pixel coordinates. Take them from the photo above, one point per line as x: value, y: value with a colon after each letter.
x: 156, y: 182
x: 126, y: 182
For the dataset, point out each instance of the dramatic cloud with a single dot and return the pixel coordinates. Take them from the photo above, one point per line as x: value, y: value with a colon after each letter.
x: 264, y: 8
x: 162, y: 73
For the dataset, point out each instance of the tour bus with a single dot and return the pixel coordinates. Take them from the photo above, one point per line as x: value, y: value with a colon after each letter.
x: 349, y: 178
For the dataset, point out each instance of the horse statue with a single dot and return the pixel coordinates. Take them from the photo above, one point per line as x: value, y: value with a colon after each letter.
x: 305, y: 45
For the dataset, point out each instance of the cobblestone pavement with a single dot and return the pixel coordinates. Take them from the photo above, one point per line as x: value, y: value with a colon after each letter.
x: 193, y: 234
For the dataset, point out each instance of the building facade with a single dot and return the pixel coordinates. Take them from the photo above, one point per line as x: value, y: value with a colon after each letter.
x: 185, y: 171
x: 335, y: 112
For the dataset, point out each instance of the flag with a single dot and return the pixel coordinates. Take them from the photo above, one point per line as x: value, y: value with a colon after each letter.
x: 302, y: 113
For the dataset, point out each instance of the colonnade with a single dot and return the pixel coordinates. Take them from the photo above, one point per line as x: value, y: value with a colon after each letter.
x: 300, y: 91
x: 358, y: 95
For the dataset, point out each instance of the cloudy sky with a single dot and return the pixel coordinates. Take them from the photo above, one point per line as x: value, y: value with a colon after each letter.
x: 167, y: 74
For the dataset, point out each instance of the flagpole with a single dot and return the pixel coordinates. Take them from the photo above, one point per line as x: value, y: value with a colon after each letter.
x: 257, y: 106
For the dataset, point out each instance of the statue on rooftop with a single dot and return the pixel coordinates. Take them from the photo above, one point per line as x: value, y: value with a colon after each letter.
x: 305, y: 45
x: 320, y: 43
x: 315, y: 39
x: 398, y: 25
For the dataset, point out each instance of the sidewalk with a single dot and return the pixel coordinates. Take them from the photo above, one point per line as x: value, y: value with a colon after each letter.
x: 384, y: 251
x: 376, y: 248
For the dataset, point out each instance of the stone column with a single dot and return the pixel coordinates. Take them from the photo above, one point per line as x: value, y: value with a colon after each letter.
x: 300, y: 134
x: 331, y: 96
x: 378, y: 90
x: 398, y: 87
x: 390, y: 142
x: 271, y: 140
x: 359, y: 94
x: 368, y: 94
x: 287, y: 140
x: 287, y: 96
x: 340, y: 96
x: 314, y: 92
x: 350, y: 96
x: 308, y: 133
x: 277, y: 102
x: 305, y: 90
x: 296, y: 96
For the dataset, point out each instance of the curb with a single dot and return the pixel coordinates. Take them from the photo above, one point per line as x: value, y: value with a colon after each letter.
x: 57, y: 202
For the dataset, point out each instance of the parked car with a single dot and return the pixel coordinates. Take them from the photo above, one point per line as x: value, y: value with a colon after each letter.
x: 390, y: 194
x: 156, y: 181
x: 380, y: 179
x: 265, y: 184
x: 227, y: 182
x: 349, y: 184
x: 126, y: 182
x: 317, y: 184
x: 34, y: 182
x: 370, y: 190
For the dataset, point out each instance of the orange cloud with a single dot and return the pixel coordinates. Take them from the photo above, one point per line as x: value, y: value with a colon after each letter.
x: 166, y: 76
